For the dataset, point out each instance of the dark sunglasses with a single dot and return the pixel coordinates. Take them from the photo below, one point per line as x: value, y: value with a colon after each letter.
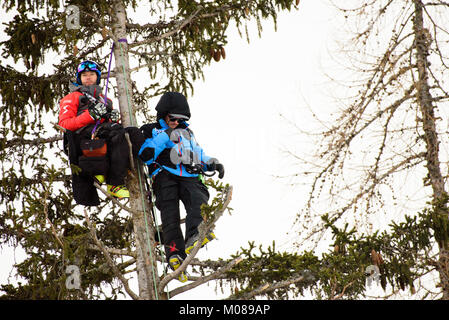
x: 176, y: 119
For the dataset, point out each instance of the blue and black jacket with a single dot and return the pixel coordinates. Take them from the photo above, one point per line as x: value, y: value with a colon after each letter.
x: 173, y: 150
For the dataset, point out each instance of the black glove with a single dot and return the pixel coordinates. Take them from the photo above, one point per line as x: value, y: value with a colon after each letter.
x: 220, y: 168
x: 97, y: 111
x: 114, y: 115
x: 214, y: 165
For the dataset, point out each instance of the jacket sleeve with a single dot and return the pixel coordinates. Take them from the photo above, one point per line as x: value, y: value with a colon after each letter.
x: 67, y: 114
x: 153, y: 146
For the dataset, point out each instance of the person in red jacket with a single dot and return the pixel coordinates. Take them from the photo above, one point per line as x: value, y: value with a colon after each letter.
x: 86, y: 114
x: 74, y: 108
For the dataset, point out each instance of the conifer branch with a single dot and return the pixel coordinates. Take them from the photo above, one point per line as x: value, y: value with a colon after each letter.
x: 150, y: 64
x: 32, y: 142
x: 203, y: 229
x: 168, y: 34
x: 266, y: 288
x: 108, y: 258
x: 202, y: 280
x: 53, y: 229
x: 172, y: 24
x: 115, y: 251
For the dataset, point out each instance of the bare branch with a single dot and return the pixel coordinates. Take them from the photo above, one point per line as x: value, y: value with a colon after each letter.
x: 115, y: 251
x: 117, y: 202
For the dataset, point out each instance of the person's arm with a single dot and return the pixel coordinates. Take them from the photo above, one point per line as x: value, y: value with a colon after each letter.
x: 67, y: 114
x: 153, y: 146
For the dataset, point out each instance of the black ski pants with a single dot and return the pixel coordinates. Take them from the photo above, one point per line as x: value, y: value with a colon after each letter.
x: 169, y: 189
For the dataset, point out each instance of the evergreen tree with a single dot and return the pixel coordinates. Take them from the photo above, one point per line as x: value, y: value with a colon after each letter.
x: 45, y: 41
x: 78, y: 253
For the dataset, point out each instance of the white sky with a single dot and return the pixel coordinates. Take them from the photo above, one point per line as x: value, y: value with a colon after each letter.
x: 235, y: 116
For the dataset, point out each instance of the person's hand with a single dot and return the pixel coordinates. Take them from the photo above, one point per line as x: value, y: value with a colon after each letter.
x: 97, y: 111
x: 220, y: 168
x: 114, y: 115
x: 215, y: 165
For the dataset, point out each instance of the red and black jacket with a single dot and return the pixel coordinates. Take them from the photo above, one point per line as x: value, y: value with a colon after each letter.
x: 73, y: 112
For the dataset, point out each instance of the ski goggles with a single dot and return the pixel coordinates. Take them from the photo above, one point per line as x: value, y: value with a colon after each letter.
x: 88, y: 66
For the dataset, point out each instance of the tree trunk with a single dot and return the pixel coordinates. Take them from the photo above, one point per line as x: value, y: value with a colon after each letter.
x: 142, y: 220
x: 425, y: 103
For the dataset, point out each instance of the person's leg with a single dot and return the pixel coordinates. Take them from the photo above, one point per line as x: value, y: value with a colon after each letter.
x: 118, y: 152
x: 193, y: 194
x: 167, y: 201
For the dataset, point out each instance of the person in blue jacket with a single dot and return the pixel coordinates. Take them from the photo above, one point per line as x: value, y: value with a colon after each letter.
x: 176, y: 162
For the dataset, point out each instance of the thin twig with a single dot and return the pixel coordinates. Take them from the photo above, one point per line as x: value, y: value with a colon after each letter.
x: 343, y: 291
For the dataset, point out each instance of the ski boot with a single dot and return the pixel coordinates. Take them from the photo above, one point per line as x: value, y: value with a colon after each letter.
x: 118, y: 191
x: 192, y: 241
x: 100, y: 178
x: 175, y: 262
